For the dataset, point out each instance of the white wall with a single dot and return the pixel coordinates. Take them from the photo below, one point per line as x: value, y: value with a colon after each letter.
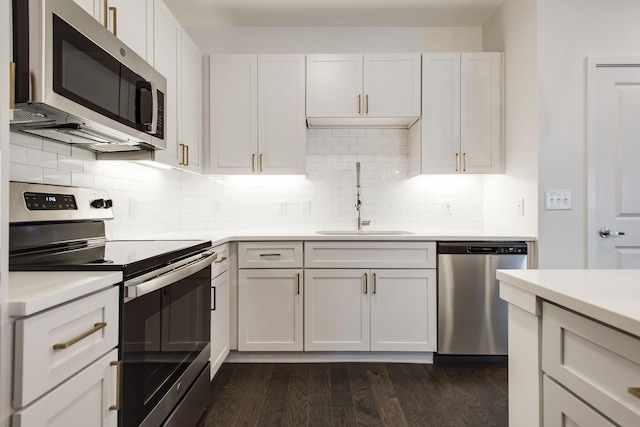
x: 512, y: 30
x: 568, y: 31
x: 336, y: 39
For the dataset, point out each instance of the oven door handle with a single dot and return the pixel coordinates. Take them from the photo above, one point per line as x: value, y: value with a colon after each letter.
x: 170, y: 277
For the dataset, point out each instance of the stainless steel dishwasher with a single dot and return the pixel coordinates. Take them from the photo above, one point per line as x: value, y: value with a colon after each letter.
x: 472, y: 319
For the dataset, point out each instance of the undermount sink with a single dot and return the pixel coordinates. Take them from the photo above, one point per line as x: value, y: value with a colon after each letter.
x: 364, y: 232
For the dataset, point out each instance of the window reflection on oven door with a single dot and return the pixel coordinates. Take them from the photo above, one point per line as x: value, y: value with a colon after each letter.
x: 163, y: 332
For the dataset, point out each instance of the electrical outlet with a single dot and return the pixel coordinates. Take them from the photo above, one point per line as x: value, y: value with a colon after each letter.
x: 305, y: 206
x: 134, y: 203
x: 519, y: 206
x: 447, y: 206
x: 282, y: 207
x: 557, y: 199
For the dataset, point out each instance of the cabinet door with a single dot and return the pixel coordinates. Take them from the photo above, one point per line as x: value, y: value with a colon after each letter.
x: 166, y: 42
x: 334, y: 85
x: 441, y: 113
x: 91, y: 7
x: 403, y: 310
x: 270, y: 310
x: 87, y: 399
x: 392, y: 85
x: 190, y: 110
x: 336, y: 310
x: 281, y: 116
x: 128, y: 20
x: 234, y: 113
x: 219, y: 321
x: 481, y: 112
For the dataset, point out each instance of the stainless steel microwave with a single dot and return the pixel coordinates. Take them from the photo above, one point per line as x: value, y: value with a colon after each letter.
x: 75, y: 82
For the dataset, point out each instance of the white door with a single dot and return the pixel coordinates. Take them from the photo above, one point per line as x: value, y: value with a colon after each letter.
x: 282, y: 123
x: 403, y: 310
x: 334, y: 85
x: 219, y: 321
x: 190, y: 111
x: 270, y: 309
x: 336, y: 310
x: 613, y: 140
x: 128, y: 20
x: 392, y: 85
x: 234, y: 113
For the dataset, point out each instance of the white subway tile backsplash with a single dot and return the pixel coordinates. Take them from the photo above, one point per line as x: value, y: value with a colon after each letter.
x: 56, y: 147
x: 170, y: 200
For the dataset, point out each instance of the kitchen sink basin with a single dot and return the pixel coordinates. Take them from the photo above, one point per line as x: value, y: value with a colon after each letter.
x: 364, y: 232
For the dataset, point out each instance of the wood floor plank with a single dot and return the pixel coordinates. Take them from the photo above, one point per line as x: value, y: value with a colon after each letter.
x: 297, y: 408
x: 408, y: 394
x: 276, y: 396
x: 320, y: 380
x: 343, y: 417
x: 385, y: 395
x: 434, y: 392
x: 319, y: 410
x: 364, y: 401
x: 340, y: 388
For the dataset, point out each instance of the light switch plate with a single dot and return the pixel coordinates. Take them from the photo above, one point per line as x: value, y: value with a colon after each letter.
x: 282, y: 207
x: 557, y: 200
x: 519, y: 205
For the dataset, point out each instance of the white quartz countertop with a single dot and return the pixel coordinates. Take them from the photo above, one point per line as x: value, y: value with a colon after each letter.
x: 610, y: 296
x: 34, y: 291
x: 224, y: 236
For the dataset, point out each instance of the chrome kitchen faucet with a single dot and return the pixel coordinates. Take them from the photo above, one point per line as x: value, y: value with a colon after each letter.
x: 359, y: 222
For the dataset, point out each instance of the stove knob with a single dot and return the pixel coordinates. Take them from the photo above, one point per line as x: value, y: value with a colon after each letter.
x: 97, y: 203
x: 108, y: 203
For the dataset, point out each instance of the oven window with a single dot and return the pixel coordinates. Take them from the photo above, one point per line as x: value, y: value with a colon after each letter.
x: 162, y: 333
x: 86, y: 74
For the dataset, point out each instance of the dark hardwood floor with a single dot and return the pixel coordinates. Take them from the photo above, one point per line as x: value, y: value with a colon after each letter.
x: 363, y: 394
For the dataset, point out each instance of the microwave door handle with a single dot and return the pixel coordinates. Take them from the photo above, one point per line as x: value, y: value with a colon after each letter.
x: 154, y: 108
x: 170, y: 277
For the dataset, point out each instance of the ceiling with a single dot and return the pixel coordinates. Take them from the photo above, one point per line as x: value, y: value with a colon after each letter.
x: 332, y: 13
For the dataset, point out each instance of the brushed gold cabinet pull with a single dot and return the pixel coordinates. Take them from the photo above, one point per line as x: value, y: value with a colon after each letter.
x: 359, y: 104
x: 96, y: 328
x: 274, y: 254
x: 105, y: 14
x: 366, y: 283
x: 12, y: 88
x: 181, y: 154
x: 187, y: 157
x: 298, y: 283
x: 260, y: 162
x: 366, y: 104
x: 118, y: 365
x: 114, y: 11
x: 218, y: 261
x: 464, y: 155
x: 457, y: 162
x: 374, y: 283
x: 634, y: 391
x: 253, y: 163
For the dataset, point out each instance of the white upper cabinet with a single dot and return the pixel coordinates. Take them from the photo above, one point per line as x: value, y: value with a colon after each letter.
x: 128, y: 20
x: 257, y: 114
x: 462, y: 113
x: 384, y: 86
x: 178, y: 59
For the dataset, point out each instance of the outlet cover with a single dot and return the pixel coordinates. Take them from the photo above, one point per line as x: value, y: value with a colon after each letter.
x: 305, y: 206
x: 557, y: 200
x: 519, y: 205
x: 282, y: 207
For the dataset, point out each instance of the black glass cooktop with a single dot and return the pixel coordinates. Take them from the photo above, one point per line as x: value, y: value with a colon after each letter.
x: 132, y: 257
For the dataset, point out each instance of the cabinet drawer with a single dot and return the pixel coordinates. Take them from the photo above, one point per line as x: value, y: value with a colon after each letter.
x: 563, y: 409
x: 370, y: 254
x: 39, y: 366
x: 594, y: 361
x: 221, y: 264
x: 270, y: 255
x: 87, y: 399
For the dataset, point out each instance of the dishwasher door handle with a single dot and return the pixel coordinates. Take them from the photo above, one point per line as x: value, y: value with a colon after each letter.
x: 481, y: 250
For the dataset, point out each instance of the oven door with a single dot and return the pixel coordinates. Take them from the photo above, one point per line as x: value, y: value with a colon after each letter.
x: 165, y: 346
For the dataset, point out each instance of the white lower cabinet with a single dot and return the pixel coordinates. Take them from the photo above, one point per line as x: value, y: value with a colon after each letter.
x: 270, y: 303
x: 366, y: 309
x: 89, y: 398
x: 563, y: 409
x: 219, y: 321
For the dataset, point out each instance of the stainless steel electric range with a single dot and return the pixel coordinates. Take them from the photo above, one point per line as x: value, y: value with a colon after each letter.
x: 166, y: 292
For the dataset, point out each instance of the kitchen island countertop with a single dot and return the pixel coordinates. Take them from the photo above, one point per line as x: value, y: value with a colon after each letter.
x: 609, y: 296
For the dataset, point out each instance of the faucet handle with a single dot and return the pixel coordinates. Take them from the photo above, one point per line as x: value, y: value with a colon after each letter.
x: 365, y: 222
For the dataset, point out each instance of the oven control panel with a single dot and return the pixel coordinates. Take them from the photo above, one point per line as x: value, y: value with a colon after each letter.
x: 49, y: 201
